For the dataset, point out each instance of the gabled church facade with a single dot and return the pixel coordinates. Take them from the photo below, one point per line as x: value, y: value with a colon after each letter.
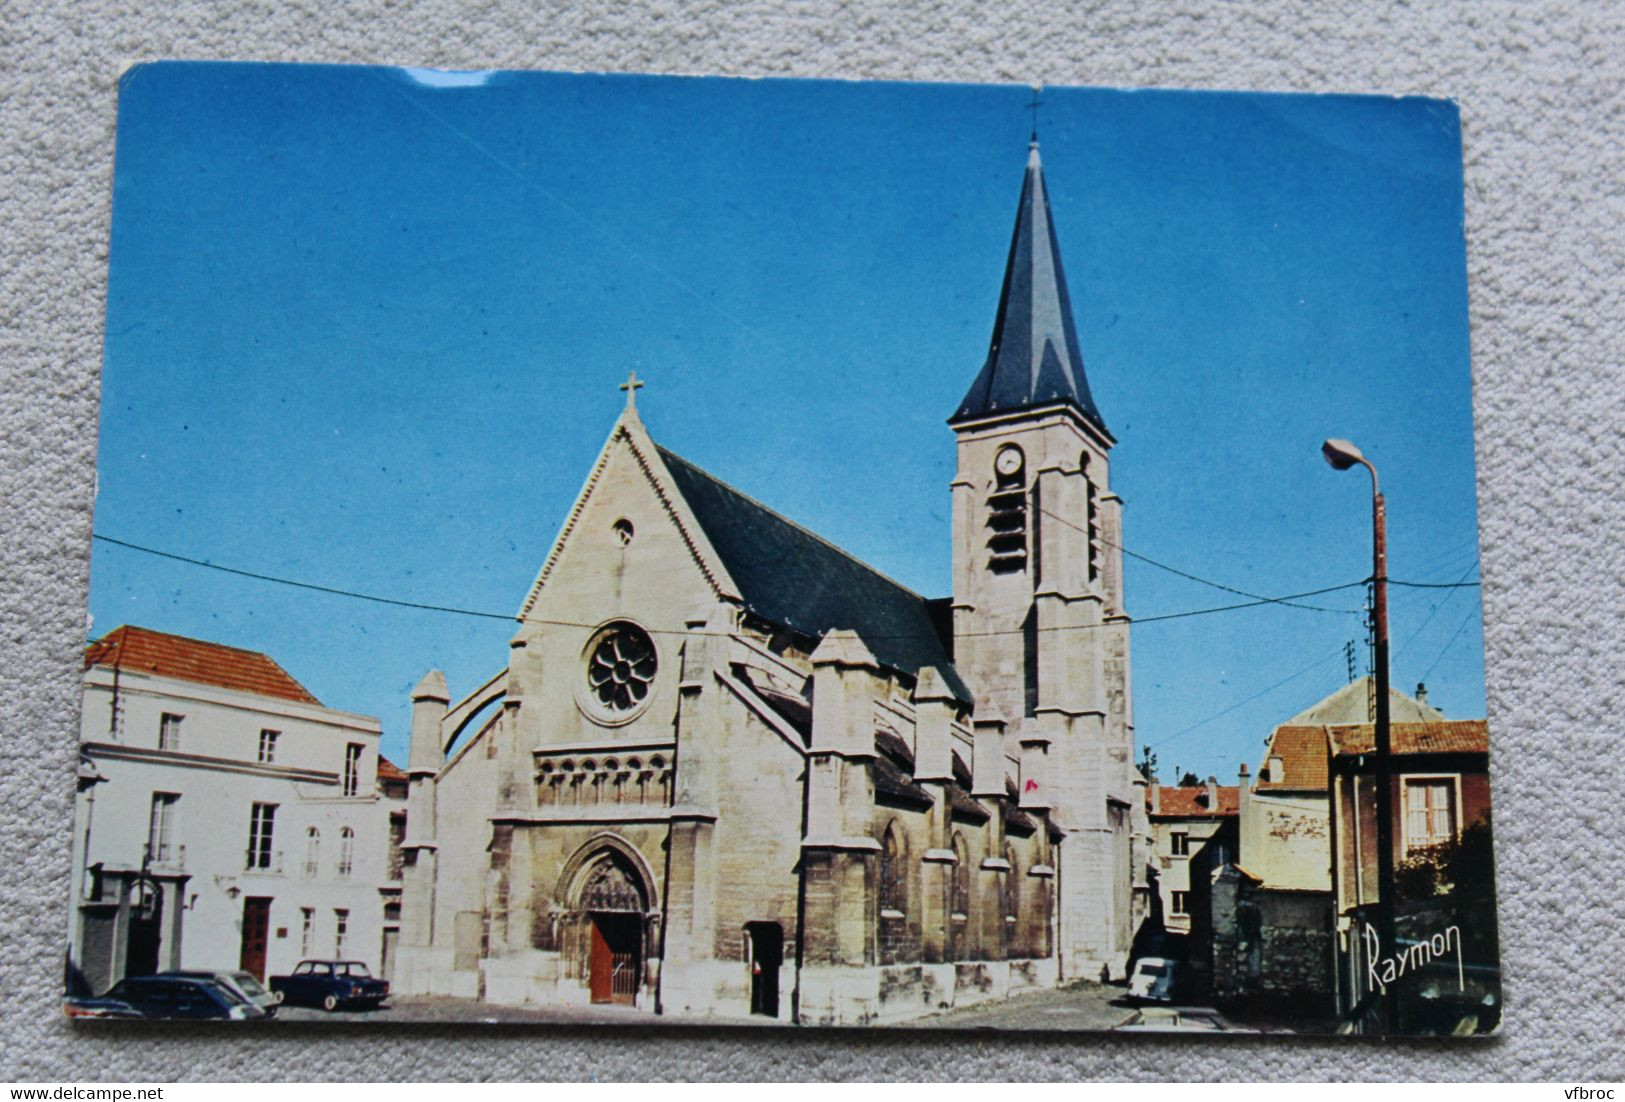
x: 730, y: 770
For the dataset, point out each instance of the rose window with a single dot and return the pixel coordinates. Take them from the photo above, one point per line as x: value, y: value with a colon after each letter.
x: 621, y: 668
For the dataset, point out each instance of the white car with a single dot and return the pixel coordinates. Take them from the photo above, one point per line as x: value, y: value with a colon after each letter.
x: 1156, y: 979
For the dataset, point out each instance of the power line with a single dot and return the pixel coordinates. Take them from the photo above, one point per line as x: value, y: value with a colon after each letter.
x: 1465, y: 620
x: 1224, y: 712
x: 298, y: 584
x: 398, y: 603
x: 1435, y: 585
x: 1187, y: 575
x: 1433, y: 612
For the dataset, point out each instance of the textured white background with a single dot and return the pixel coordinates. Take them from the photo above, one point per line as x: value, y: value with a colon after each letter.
x: 1540, y: 87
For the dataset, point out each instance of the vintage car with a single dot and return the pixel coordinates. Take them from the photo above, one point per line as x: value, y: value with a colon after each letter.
x: 1156, y: 979
x: 331, y: 985
x: 181, y: 997
x: 81, y: 1006
x: 242, y: 984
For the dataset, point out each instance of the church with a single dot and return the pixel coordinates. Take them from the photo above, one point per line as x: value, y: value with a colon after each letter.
x: 730, y: 770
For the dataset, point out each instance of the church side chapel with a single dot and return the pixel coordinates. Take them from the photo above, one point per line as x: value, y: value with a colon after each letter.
x: 731, y: 770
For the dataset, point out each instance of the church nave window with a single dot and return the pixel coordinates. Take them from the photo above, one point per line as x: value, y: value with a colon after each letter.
x: 959, y: 900
x: 1007, y: 512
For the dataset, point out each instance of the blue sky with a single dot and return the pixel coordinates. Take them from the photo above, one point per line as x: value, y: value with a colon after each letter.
x: 366, y: 326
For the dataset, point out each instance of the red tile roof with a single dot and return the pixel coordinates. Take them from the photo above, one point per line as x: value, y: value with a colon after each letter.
x: 1302, y: 749
x: 389, y: 771
x: 1191, y: 802
x: 1460, y: 736
x: 154, y: 652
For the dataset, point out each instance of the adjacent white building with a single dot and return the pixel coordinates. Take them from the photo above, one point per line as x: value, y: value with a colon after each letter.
x: 226, y: 818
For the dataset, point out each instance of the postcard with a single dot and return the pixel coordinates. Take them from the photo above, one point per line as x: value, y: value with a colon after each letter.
x: 603, y: 548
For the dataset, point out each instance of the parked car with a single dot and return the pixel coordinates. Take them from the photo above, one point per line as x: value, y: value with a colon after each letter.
x: 242, y: 984
x: 1178, y: 1019
x: 181, y: 997
x: 83, y: 1007
x: 1156, y: 979
x: 331, y: 984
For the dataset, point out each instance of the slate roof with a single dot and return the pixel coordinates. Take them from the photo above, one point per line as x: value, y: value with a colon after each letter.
x: 893, y: 786
x: 155, y: 652
x: 789, y: 576
x: 1018, y: 822
x: 1034, y: 359
x: 1351, y: 704
x: 1190, y: 802
x: 962, y: 807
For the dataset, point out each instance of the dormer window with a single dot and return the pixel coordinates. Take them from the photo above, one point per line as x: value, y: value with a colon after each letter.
x: 1007, y: 512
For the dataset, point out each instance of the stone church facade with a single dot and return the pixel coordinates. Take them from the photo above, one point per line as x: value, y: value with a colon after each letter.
x: 729, y: 769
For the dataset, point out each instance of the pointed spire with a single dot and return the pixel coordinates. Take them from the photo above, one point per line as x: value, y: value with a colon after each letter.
x: 1034, y: 358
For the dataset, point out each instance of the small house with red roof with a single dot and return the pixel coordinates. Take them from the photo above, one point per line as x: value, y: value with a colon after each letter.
x: 1194, y: 830
x: 226, y: 818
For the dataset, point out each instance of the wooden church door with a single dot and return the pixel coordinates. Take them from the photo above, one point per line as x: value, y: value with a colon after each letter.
x: 613, y: 962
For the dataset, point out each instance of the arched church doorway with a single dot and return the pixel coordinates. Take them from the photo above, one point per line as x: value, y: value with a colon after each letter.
x: 766, y: 943
x: 613, y: 899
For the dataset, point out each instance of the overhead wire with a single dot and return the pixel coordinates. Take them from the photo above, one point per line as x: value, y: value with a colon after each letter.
x: 1186, y: 574
x: 454, y: 610
x: 1248, y: 700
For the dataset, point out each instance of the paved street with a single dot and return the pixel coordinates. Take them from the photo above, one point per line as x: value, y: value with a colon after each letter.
x: 1078, y: 1006
x: 1082, y: 1006
x: 406, y: 1008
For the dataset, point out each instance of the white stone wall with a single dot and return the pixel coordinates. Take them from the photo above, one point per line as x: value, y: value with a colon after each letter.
x: 216, y: 774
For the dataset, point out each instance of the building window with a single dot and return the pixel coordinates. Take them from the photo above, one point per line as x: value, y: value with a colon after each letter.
x: 313, y: 852
x: 346, y: 851
x: 169, y: 732
x: 261, y: 826
x: 267, y: 754
x: 161, y: 831
x: 307, y: 930
x: 1430, y: 813
x: 960, y: 903
x: 397, y: 837
x: 341, y: 932
x: 352, y: 769
x: 1179, y: 844
x: 893, y: 870
x: 1181, y: 903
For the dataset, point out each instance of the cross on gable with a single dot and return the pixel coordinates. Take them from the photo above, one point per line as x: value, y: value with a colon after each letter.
x: 632, y: 385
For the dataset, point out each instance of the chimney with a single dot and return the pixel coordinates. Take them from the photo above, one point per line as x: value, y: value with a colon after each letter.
x: 1156, y: 799
x: 1212, y: 796
x: 1422, y: 694
x: 1243, y: 776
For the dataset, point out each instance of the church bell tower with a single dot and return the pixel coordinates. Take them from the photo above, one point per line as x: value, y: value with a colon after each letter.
x: 1040, y: 631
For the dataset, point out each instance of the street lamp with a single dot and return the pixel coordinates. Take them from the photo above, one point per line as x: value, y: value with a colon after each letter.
x: 1342, y: 455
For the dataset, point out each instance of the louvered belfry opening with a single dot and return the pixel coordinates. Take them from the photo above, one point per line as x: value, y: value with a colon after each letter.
x: 1007, y: 514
